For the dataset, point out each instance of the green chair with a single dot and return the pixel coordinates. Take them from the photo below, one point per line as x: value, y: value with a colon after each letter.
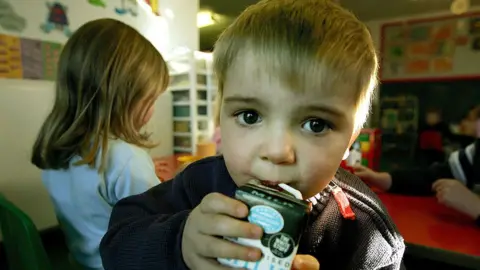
x: 23, y: 246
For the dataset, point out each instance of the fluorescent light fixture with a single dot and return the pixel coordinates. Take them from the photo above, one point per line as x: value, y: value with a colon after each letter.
x: 205, y: 18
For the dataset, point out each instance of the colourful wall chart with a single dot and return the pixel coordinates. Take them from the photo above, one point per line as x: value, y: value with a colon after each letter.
x: 23, y: 58
x: 431, y: 48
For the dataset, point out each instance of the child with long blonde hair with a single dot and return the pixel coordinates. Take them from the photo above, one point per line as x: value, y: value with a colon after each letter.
x: 90, y: 148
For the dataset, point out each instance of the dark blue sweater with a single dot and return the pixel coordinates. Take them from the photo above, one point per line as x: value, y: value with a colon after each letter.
x: 146, y: 230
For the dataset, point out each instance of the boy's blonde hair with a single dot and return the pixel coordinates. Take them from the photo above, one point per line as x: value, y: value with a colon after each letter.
x: 304, y: 43
x: 108, y: 78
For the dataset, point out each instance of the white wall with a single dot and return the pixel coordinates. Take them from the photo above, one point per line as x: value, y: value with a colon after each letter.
x: 182, y: 22
x: 25, y: 103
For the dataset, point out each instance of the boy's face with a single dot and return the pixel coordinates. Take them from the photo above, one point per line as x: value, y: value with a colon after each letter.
x: 280, y: 135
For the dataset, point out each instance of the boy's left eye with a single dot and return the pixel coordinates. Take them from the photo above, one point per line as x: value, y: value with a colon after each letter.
x: 315, y: 125
x: 248, y: 118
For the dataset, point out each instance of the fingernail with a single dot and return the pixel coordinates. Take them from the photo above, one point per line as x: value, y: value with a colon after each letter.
x: 241, y: 211
x: 254, y: 255
x: 256, y: 232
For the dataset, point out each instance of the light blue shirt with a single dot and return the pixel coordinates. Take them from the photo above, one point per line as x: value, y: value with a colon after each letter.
x: 83, y: 198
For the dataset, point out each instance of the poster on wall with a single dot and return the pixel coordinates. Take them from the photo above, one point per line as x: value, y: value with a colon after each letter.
x: 442, y: 65
x: 56, y: 19
x: 430, y: 49
x: 32, y: 59
x: 97, y: 3
x: 127, y: 7
x: 420, y: 33
x: 51, y: 54
x: 10, y: 57
x: 9, y: 19
x: 419, y: 66
x: 154, y: 6
x: 28, y: 58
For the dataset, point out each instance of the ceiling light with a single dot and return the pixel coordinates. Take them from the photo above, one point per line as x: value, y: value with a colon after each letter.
x: 205, y: 18
x: 460, y: 6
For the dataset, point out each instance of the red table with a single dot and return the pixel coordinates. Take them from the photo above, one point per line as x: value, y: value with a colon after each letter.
x: 433, y: 230
x: 171, y: 165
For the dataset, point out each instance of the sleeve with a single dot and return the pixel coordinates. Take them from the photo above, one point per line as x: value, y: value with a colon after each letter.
x: 463, y: 162
x: 136, y: 177
x: 418, y: 181
x: 145, y: 230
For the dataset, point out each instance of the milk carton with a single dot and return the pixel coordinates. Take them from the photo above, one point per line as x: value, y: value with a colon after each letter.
x: 283, y: 219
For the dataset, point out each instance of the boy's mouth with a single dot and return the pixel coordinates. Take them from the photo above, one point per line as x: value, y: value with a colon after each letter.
x: 268, y: 183
x: 271, y: 184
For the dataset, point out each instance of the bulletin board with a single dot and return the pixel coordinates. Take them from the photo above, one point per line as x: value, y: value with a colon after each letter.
x: 22, y: 58
x: 441, y: 48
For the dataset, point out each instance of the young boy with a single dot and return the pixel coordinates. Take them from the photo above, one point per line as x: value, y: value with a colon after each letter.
x: 295, y: 82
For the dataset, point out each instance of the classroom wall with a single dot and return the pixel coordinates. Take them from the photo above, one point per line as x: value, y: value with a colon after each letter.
x: 375, y: 26
x: 431, y: 94
x: 25, y: 103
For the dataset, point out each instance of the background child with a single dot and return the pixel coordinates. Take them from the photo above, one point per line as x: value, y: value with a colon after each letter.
x: 468, y: 125
x: 89, y: 147
x: 295, y: 82
x: 451, y: 181
x: 433, y: 134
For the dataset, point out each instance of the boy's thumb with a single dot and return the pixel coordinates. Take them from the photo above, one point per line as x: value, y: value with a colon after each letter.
x: 305, y: 262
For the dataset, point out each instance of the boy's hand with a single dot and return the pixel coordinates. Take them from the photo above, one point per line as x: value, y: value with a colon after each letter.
x: 216, y: 216
x: 380, y: 180
x: 454, y: 194
x: 305, y: 262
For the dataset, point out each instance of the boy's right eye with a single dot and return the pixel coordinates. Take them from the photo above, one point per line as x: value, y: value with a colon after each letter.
x: 248, y: 118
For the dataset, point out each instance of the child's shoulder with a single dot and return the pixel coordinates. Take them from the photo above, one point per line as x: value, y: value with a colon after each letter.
x: 119, y: 150
x: 365, y: 203
x: 355, y: 187
x: 209, y: 169
x: 371, y: 238
x: 199, y: 179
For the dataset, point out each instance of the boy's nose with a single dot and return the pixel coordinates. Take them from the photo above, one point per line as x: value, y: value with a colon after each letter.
x: 278, y: 150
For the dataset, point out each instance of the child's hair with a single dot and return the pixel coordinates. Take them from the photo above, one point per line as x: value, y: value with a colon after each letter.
x: 475, y: 111
x: 303, y: 42
x: 108, y: 78
x: 434, y: 110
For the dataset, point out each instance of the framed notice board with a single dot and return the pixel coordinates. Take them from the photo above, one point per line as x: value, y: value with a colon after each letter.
x: 23, y: 58
x: 440, y: 48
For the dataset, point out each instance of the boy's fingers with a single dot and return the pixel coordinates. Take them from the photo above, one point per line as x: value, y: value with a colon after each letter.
x: 213, y: 247
x: 222, y: 225
x: 216, y: 203
x: 305, y: 262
